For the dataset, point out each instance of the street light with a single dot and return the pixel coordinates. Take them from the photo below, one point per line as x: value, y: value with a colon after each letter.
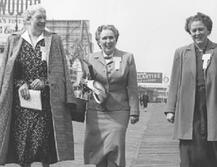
x: 16, y: 26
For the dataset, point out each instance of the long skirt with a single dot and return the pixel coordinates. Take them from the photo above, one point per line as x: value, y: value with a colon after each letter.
x: 32, y: 136
x: 105, y: 134
x: 199, y: 152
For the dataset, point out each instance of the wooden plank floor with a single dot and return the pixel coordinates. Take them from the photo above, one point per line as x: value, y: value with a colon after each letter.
x: 133, y: 138
x: 148, y: 143
x: 157, y: 149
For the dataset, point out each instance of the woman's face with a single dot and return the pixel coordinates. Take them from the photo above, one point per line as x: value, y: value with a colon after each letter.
x: 199, y: 32
x: 107, y: 41
x: 38, y: 20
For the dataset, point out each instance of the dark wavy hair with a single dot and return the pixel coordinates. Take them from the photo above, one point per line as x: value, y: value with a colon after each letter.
x: 206, y: 20
x: 106, y: 27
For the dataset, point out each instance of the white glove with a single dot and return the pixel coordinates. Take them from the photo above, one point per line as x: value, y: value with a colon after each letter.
x: 170, y: 117
x: 98, y: 90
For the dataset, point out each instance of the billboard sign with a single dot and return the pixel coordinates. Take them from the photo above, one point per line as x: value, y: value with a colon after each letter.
x: 149, y: 77
x: 15, y: 7
x: 8, y: 25
x: 11, y: 16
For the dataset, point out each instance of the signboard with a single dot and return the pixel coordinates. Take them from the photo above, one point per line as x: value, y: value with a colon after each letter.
x: 15, y: 7
x: 149, y: 77
x: 9, y: 25
x: 11, y: 16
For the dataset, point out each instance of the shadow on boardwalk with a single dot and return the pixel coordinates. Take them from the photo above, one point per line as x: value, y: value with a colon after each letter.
x: 157, y: 149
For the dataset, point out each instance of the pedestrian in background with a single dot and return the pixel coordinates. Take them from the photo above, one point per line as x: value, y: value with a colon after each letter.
x: 34, y: 60
x: 145, y: 100
x: 107, y: 121
x: 192, y: 96
x: 140, y: 100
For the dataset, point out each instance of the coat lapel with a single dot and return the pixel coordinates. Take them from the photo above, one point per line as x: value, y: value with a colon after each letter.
x: 209, y: 50
x: 12, y: 58
x: 100, y: 58
x: 17, y: 48
x: 47, y: 38
x: 190, y: 57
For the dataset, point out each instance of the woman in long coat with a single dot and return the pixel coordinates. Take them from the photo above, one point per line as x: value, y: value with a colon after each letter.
x: 193, y: 95
x: 106, y: 122
x: 34, y: 59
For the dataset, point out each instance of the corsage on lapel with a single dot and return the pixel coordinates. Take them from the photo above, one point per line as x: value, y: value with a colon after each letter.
x: 117, y: 61
x: 206, y: 60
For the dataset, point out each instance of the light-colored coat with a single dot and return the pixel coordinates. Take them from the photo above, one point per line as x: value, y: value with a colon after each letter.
x: 106, y: 123
x: 181, y: 98
x: 60, y: 93
x: 120, y: 84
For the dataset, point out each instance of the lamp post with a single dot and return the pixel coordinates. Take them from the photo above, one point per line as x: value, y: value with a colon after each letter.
x: 16, y: 26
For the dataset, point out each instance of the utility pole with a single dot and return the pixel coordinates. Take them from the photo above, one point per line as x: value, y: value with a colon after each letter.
x: 16, y: 26
x: 88, y: 38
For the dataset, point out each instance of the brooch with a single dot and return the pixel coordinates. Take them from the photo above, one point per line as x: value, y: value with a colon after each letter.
x: 206, y: 60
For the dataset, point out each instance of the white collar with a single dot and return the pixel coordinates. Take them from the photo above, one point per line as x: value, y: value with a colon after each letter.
x: 25, y: 36
x: 105, y: 55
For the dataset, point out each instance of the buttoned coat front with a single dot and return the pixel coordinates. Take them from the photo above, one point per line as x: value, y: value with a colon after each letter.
x: 60, y: 94
x: 181, y: 98
x: 119, y: 77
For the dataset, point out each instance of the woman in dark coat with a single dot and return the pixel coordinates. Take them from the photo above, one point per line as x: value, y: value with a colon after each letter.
x: 34, y: 59
x: 193, y: 95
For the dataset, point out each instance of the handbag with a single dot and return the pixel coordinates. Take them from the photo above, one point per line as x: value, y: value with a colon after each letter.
x: 78, y: 109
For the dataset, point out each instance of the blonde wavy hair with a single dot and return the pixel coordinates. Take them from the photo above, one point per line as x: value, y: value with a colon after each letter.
x: 27, y: 15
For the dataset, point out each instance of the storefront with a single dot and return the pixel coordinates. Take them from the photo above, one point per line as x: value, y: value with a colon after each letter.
x: 155, y: 84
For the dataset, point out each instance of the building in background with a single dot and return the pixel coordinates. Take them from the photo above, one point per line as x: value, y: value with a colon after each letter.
x: 77, y: 40
x: 75, y: 35
x: 155, y: 84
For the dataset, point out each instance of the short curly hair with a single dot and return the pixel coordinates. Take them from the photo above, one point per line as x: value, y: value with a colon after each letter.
x: 206, y: 20
x: 27, y: 15
x: 106, y: 27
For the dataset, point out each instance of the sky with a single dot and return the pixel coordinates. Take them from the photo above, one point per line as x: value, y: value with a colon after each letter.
x: 150, y: 29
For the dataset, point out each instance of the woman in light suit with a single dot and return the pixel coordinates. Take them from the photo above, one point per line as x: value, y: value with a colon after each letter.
x: 106, y: 122
x: 193, y: 95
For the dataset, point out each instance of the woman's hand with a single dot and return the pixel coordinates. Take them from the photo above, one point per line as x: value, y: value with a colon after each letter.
x: 134, y: 119
x: 37, y: 84
x: 24, y: 91
x: 170, y: 117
